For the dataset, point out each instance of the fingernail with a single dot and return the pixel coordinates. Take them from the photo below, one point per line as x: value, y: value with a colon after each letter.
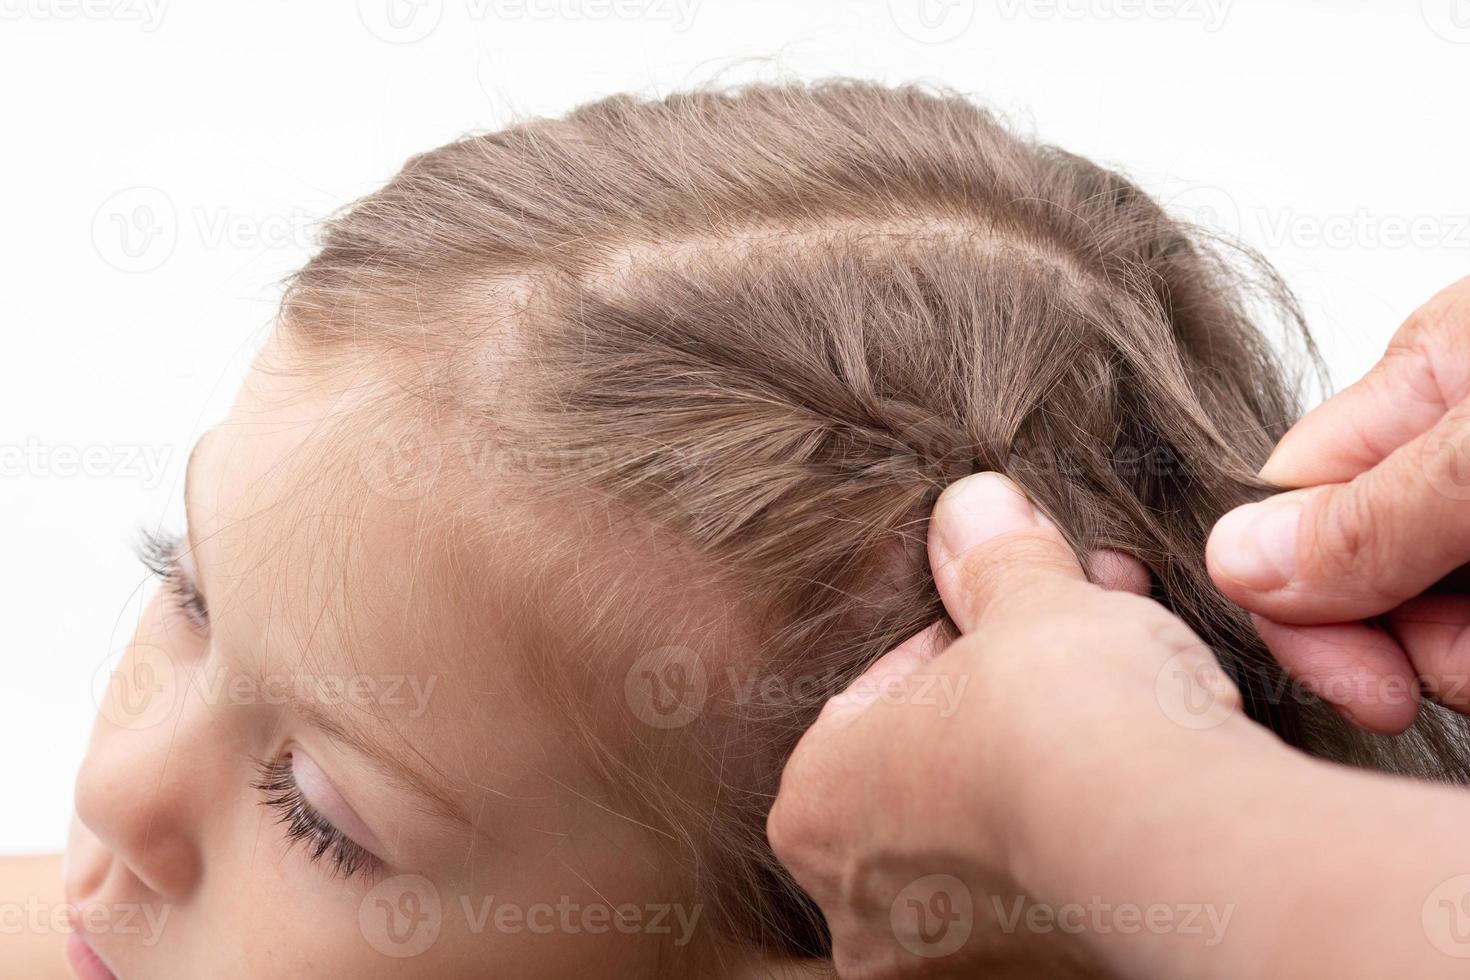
x: 979, y: 507
x: 1256, y: 544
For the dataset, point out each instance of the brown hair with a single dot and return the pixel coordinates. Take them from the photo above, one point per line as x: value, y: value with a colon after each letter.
x: 772, y: 324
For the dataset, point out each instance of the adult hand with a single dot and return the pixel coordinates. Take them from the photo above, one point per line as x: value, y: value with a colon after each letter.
x: 919, y: 808
x: 1386, y: 518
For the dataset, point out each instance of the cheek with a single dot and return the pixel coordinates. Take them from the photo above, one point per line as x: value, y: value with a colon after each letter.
x: 270, y: 921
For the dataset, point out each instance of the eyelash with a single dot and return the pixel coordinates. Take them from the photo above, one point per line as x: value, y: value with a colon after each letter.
x: 323, y: 841
x: 159, y: 552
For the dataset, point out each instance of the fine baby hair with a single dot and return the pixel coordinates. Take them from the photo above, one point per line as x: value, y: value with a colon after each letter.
x: 726, y: 348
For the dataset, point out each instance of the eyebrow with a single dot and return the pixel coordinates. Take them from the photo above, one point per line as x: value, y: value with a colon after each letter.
x: 342, y: 729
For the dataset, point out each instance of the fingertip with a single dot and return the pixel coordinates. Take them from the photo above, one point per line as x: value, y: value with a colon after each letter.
x: 1256, y: 545
x: 1118, y: 571
x: 1434, y: 631
x: 1358, y: 669
x: 975, y: 509
x: 1280, y: 468
x: 987, y: 539
x: 889, y: 669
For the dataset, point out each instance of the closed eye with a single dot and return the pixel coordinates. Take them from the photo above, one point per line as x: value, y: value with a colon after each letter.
x: 323, y: 841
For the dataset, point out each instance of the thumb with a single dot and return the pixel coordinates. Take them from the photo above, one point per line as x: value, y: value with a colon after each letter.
x: 1425, y: 370
x: 987, y: 543
x: 1352, y: 550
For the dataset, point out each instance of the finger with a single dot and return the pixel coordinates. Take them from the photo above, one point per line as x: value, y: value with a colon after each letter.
x: 1353, y: 550
x: 987, y: 543
x: 886, y: 671
x: 1117, y: 571
x: 1425, y: 370
x: 1435, y: 631
x: 1360, y: 670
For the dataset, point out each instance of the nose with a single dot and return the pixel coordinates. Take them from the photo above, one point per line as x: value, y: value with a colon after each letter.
x: 134, y: 791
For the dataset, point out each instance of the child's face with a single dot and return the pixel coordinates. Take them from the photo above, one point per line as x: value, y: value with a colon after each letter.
x: 349, y: 649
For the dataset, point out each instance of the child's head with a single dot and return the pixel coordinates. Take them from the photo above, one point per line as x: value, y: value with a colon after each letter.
x: 588, y: 459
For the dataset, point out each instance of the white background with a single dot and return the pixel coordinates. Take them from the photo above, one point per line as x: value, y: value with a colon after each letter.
x: 163, y: 162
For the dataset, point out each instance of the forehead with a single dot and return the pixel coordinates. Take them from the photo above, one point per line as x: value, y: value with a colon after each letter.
x: 335, y: 571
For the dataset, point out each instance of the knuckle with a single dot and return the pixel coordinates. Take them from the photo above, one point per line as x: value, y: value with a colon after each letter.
x: 785, y: 831
x: 1408, y: 370
x: 1432, y: 347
